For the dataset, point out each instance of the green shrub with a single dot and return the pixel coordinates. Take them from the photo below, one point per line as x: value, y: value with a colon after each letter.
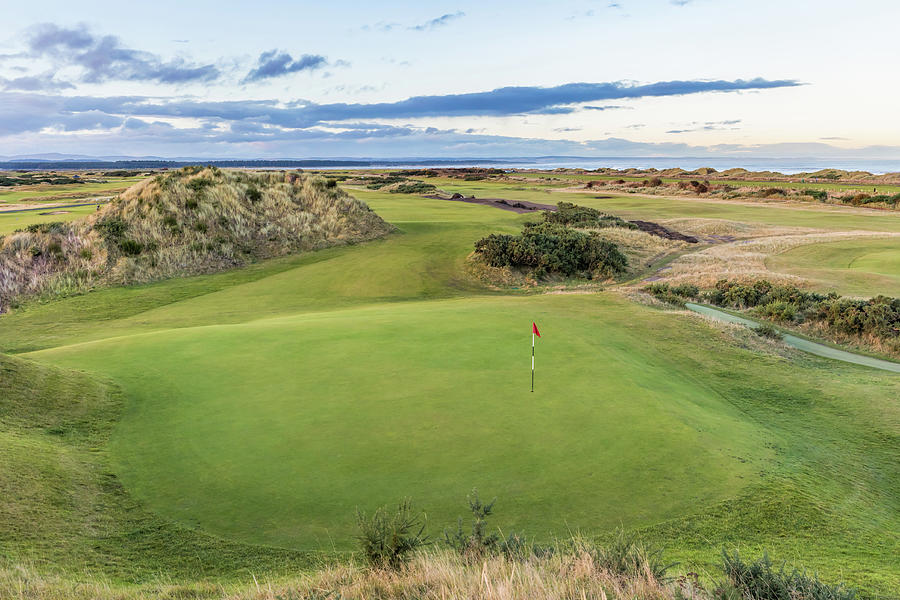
x: 820, y: 195
x: 767, y: 331
x: 388, y: 539
x: 130, y: 247
x: 626, y: 555
x: 779, y: 310
x: 686, y: 290
x: 759, y: 580
x: 552, y: 248
x: 417, y: 187
x: 54, y: 227
x: 477, y: 543
x: 112, y: 229
x: 583, y: 217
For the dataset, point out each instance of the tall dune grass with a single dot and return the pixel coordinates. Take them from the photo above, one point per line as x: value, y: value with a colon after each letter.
x: 186, y: 222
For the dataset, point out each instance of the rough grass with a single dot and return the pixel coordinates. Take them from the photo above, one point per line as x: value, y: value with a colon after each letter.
x: 187, y: 222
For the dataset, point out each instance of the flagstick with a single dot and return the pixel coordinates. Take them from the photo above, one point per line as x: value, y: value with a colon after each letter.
x: 532, y: 361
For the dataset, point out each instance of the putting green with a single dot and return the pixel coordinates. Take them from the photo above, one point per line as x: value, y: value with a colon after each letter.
x: 276, y: 430
x: 856, y: 268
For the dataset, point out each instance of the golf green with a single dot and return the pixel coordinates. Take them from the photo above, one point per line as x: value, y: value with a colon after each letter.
x: 275, y: 431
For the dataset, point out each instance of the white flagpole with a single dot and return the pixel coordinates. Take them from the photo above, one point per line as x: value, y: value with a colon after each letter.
x: 532, y: 360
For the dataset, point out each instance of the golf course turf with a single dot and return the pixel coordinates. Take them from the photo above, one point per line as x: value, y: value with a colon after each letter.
x: 265, y: 405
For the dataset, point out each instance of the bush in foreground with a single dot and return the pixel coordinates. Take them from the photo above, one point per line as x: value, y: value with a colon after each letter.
x: 760, y: 580
x: 388, y: 539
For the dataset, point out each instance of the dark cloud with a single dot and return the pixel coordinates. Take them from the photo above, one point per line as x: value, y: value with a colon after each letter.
x: 521, y: 100
x: 36, y: 111
x: 104, y: 58
x: 438, y: 21
x: 277, y: 64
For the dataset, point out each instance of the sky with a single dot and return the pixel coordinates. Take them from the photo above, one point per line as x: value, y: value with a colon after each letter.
x: 283, y: 79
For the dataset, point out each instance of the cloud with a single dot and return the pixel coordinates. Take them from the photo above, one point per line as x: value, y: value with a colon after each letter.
x: 636, y: 126
x: 610, y: 107
x: 567, y: 129
x: 105, y: 58
x: 277, y: 64
x: 438, y: 22
x: 834, y: 138
x: 680, y: 2
x: 30, y: 112
x: 35, y: 83
x: 521, y: 100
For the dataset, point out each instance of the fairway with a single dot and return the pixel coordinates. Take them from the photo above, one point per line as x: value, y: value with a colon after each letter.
x: 11, y: 221
x: 857, y: 268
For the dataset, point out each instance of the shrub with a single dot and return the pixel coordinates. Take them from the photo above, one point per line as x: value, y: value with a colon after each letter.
x: 628, y: 556
x: 477, y: 543
x: 686, y: 290
x: 388, y: 540
x: 584, y: 217
x: 759, y: 580
x: 820, y: 195
x: 417, y: 187
x: 552, y: 248
x: 767, y: 331
x: 130, y: 247
x: 112, y: 229
x: 779, y: 310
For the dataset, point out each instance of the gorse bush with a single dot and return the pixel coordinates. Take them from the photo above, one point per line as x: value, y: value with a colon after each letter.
x: 547, y: 248
x: 558, y: 246
x: 760, y: 580
x: 583, y: 217
x: 875, y: 321
x: 388, y: 539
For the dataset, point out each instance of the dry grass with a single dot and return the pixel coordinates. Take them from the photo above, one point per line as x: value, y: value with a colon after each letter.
x: 187, y: 222
x: 745, y: 260
x: 641, y: 248
x: 435, y: 575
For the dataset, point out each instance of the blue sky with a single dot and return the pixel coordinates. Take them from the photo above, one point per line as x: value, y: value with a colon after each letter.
x: 451, y: 79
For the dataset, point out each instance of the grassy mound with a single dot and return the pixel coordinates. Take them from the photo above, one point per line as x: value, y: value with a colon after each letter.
x: 186, y: 222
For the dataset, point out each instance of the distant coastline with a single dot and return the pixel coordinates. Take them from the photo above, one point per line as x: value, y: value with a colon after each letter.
x: 786, y: 166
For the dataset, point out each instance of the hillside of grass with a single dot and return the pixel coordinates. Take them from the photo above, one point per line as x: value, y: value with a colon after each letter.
x: 64, y: 511
x: 186, y: 222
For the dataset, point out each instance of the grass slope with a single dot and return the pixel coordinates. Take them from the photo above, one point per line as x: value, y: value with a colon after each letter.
x: 855, y: 268
x: 65, y: 511
x: 266, y: 404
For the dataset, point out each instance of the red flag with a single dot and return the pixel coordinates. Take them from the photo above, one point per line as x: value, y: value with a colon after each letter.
x: 534, y: 329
